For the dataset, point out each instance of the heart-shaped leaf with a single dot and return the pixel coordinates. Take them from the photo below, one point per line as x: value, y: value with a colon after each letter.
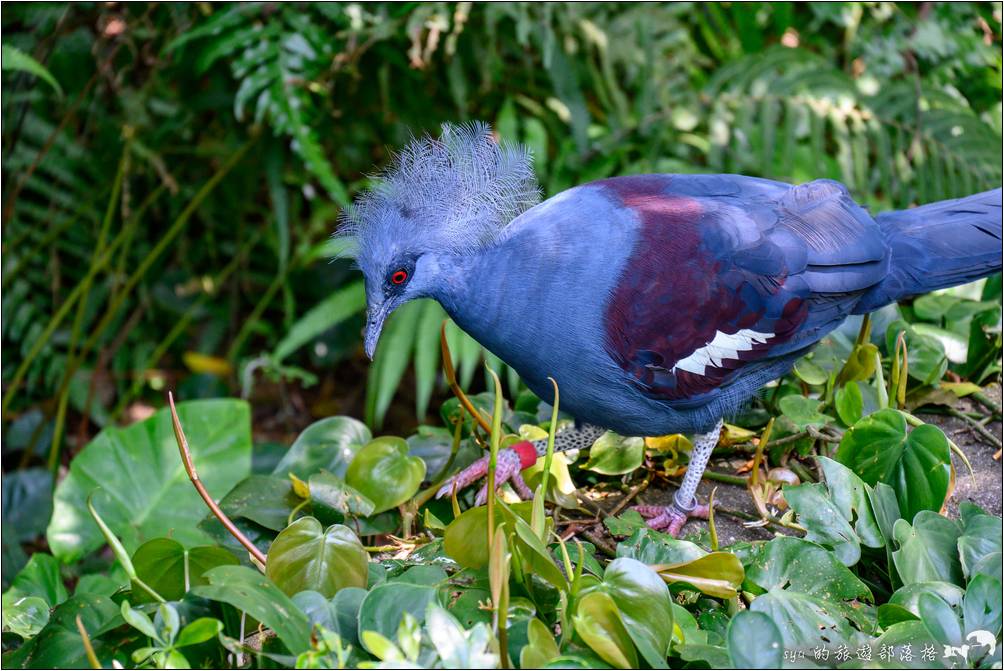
x: 264, y: 499
x: 980, y: 538
x: 385, y: 605
x: 803, y: 411
x: 328, y: 444
x: 167, y: 567
x: 823, y: 521
x: 916, y: 465
x: 25, y: 615
x: 850, y: 403
x: 717, y: 574
x: 801, y: 566
x: 385, y: 473
x: 598, y: 622
x: 754, y: 641
x: 39, y: 578
x: 141, y: 465
x: 305, y: 556
x: 466, y: 537
x: 58, y: 644
x: 804, y: 621
x: 645, y: 606
x: 328, y: 490
x: 928, y: 549
x: 613, y: 454
x: 248, y: 590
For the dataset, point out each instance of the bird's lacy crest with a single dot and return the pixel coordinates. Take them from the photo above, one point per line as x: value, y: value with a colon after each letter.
x: 454, y: 193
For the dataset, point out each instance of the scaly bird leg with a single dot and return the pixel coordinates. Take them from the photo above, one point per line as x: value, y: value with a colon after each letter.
x: 672, y: 518
x: 512, y: 460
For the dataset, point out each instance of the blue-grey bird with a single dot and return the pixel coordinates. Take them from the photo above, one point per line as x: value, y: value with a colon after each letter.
x: 659, y: 303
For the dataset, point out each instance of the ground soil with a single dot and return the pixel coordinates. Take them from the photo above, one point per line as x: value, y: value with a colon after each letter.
x: 984, y: 487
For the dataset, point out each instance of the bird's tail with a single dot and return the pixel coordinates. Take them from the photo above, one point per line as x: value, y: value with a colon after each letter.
x: 939, y: 245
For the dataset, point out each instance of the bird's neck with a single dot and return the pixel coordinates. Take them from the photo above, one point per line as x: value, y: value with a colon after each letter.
x: 468, y: 291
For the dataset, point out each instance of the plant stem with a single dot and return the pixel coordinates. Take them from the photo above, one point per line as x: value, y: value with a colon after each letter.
x: 451, y: 379
x: 549, y: 456
x: 727, y: 479
x: 186, y: 459
x: 92, y: 659
x: 496, y: 437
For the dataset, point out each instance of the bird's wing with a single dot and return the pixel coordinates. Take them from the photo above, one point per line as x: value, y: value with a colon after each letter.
x: 729, y: 273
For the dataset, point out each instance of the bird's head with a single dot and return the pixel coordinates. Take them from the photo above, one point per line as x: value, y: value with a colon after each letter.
x: 440, y: 197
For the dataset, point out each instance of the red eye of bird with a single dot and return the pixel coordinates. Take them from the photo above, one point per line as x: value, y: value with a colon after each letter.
x: 399, y: 276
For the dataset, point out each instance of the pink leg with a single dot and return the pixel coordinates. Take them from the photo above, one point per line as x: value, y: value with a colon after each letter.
x: 511, y: 460
x: 670, y: 518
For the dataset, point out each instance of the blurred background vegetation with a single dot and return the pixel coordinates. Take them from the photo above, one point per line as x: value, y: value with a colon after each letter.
x: 172, y: 173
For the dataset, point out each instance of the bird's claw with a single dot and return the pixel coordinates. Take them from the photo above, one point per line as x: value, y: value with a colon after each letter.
x: 511, y: 461
x: 670, y: 518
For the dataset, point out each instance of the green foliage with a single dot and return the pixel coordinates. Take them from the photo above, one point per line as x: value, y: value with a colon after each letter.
x: 172, y: 177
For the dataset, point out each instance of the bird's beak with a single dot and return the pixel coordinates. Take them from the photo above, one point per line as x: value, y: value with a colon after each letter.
x: 375, y: 318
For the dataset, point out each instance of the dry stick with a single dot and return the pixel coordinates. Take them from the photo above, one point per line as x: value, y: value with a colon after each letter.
x: 976, y: 426
x: 186, y: 459
x: 635, y: 491
x: 600, y: 543
x: 987, y: 402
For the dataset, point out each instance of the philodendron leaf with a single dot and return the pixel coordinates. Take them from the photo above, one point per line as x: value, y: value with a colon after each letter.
x: 805, y: 622
x: 823, y: 521
x: 754, y: 641
x: 170, y: 570
x: 385, y: 605
x: 25, y: 615
x: 613, y: 454
x: 928, y: 549
x: 916, y: 465
x: 598, y: 622
x: 851, y: 496
x: 58, y: 644
x: 329, y: 444
x: 39, y: 578
x: 802, y: 566
x: 940, y: 620
x: 385, y: 473
x: 717, y: 574
x: 540, y: 647
x: 645, y: 605
x: 305, y: 556
x: 148, y: 494
x: 850, y: 403
x: 328, y: 490
x: 803, y: 411
x: 981, y: 607
x: 250, y: 591
x: 980, y: 538
x: 266, y: 500
x: 465, y: 539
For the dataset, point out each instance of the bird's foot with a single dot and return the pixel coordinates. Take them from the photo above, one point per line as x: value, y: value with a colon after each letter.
x: 671, y: 518
x: 511, y: 461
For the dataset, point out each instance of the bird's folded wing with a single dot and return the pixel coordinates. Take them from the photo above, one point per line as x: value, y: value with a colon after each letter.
x: 721, y: 284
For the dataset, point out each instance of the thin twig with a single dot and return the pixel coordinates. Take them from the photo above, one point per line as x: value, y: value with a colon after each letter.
x: 976, y: 426
x: 987, y: 402
x: 599, y: 542
x: 186, y: 458
x: 635, y: 491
